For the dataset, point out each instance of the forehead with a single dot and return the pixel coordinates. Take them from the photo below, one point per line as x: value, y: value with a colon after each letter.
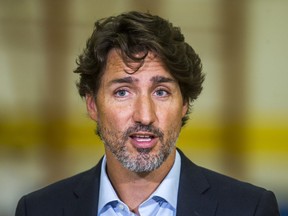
x: 116, y: 65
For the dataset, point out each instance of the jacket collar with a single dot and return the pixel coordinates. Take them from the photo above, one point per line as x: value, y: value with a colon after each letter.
x: 85, y: 194
x: 192, y: 194
x: 193, y: 187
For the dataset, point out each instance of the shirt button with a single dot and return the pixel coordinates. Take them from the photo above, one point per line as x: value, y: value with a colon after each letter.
x: 121, y: 206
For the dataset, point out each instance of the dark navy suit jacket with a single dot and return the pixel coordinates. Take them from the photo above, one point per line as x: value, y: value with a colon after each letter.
x: 201, y: 193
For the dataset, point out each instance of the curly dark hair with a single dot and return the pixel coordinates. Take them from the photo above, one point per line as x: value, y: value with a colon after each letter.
x: 133, y: 33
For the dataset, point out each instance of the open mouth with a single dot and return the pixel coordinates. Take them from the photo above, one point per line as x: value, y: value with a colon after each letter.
x: 142, y: 137
x: 143, y: 140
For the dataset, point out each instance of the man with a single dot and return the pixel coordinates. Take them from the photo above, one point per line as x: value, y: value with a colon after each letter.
x: 139, y: 78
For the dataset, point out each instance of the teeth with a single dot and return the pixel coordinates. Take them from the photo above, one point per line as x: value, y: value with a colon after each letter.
x: 143, y: 138
x: 147, y: 139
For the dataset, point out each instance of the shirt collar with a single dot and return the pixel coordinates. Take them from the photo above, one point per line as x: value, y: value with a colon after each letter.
x: 168, y: 189
x: 107, y: 193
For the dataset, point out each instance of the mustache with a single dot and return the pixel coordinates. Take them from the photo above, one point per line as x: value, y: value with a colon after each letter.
x: 146, y: 128
x: 134, y: 129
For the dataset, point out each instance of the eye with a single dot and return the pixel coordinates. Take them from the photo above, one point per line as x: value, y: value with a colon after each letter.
x: 121, y: 93
x: 161, y: 93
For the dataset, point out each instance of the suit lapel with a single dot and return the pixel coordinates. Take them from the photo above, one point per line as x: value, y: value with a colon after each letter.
x: 85, y: 195
x: 192, y: 197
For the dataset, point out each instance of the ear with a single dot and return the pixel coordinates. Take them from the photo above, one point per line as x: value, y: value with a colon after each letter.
x: 185, y: 108
x: 91, y: 107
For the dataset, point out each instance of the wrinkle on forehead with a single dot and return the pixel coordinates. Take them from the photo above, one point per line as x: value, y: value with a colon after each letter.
x: 130, y: 66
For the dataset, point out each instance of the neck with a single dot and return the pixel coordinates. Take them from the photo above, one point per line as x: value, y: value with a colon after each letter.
x: 134, y: 188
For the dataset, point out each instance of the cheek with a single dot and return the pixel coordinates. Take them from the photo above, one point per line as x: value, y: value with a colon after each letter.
x: 170, y: 115
x: 113, y: 118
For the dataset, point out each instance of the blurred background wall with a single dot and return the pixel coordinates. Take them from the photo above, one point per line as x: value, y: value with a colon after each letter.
x: 239, y: 125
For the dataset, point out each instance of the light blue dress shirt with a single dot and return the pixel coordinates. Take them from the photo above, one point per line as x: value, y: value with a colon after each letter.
x: 162, y: 202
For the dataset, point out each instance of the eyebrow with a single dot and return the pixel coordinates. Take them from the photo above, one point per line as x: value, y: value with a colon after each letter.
x: 161, y: 79
x: 123, y: 80
x: 154, y: 80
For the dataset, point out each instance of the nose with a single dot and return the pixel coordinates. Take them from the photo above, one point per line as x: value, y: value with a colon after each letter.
x: 144, y: 110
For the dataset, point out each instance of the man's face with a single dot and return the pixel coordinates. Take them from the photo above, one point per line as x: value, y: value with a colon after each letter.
x: 138, y: 114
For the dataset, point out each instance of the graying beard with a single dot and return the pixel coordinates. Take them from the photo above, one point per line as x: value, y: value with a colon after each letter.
x: 143, y: 163
x: 137, y: 165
